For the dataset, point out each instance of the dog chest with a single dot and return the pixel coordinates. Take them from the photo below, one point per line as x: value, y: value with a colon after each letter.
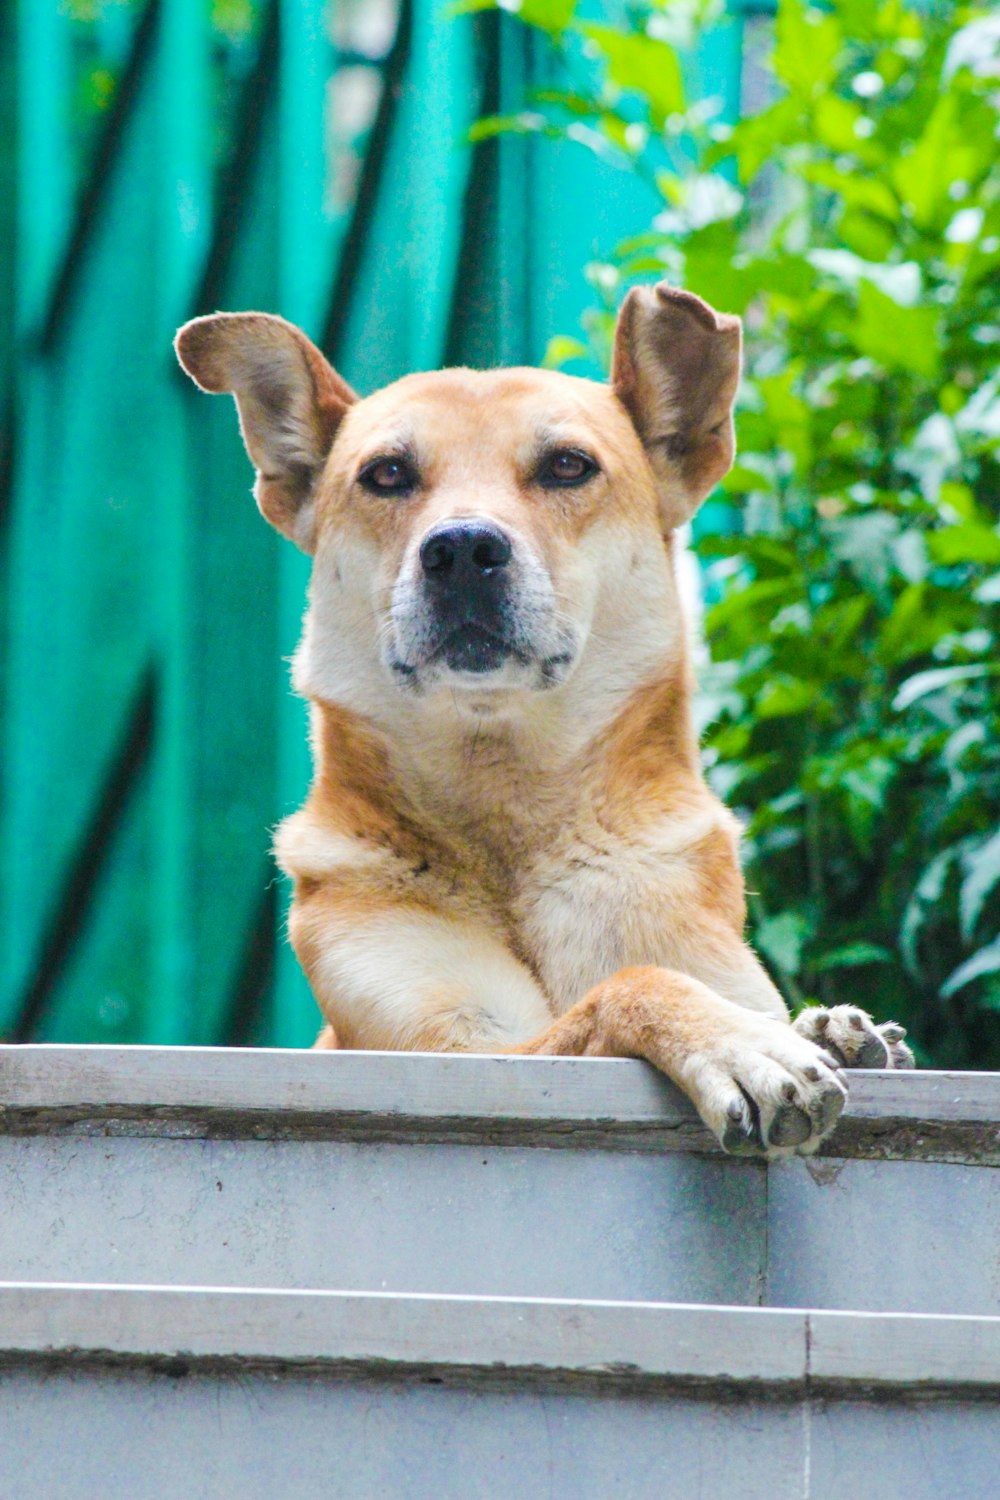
x: 596, y: 904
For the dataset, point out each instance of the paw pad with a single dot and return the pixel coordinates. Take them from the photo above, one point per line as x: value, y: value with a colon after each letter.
x: 852, y: 1039
x: 790, y: 1126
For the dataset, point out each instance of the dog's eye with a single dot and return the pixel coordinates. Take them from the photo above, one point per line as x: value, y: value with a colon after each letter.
x: 566, y: 466
x: 388, y: 476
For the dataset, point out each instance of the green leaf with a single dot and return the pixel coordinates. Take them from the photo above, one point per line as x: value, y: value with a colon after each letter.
x: 836, y: 625
x: 784, y: 274
x: 856, y: 188
x: 781, y: 939
x: 806, y: 48
x: 910, y: 629
x: 919, y: 686
x: 986, y: 961
x: 562, y: 349
x: 959, y: 498
x: 744, y: 602
x: 982, y: 872
x: 926, y: 898
x: 869, y: 783
x: 851, y: 956
x: 867, y: 235
x: 834, y: 121
x: 970, y: 542
x: 550, y: 16
x: 784, y: 696
x: 527, y: 122
x: 642, y: 65
x: 553, y: 16
x: 756, y: 140
x: 742, y: 480
x: 900, y: 338
x: 575, y: 104
x: 957, y: 145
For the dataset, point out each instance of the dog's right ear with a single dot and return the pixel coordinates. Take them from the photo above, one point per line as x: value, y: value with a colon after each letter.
x: 290, y: 404
x: 676, y: 368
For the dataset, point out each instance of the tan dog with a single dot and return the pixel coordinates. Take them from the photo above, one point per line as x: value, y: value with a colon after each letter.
x: 508, y: 845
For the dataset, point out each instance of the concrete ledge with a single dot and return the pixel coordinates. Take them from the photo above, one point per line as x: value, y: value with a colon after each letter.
x: 263, y: 1093
x: 919, y: 1350
x: 505, y: 1340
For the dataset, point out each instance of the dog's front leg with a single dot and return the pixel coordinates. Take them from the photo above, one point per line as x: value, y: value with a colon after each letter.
x: 759, y: 1086
x: 719, y: 958
x: 396, y: 976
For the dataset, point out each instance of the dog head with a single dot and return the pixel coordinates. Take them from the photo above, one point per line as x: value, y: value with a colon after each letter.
x: 474, y: 530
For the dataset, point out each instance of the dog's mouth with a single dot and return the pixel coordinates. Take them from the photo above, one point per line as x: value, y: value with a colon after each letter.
x: 471, y: 648
x: 475, y: 652
x: 514, y: 645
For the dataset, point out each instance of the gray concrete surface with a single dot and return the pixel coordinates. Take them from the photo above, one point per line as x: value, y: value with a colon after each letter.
x: 427, y: 1218
x: 237, y: 1179
x: 83, y: 1436
x: 915, y: 1236
x: 453, y: 1397
x: 282, y: 1169
x: 625, y: 1344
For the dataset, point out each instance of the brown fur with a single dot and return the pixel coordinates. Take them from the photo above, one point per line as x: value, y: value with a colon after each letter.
x: 523, y: 857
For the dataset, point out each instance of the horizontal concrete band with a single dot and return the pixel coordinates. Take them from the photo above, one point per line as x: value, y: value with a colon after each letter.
x: 392, y: 1095
x: 629, y: 1343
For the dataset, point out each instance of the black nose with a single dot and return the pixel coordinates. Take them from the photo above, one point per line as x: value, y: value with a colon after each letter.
x: 463, y: 550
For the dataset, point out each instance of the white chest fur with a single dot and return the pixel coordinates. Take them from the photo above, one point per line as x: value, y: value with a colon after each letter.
x: 597, y: 902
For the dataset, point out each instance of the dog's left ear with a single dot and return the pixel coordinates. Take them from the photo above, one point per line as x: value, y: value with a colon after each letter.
x: 290, y: 403
x: 676, y: 368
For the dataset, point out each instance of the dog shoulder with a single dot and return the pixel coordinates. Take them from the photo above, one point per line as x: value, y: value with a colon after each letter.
x: 309, y: 847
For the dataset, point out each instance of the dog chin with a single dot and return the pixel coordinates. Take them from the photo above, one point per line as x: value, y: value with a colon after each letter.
x: 486, y: 687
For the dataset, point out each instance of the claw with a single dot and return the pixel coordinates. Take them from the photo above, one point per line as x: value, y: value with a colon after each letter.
x: 739, y: 1141
x: 830, y: 1107
x: 743, y: 1137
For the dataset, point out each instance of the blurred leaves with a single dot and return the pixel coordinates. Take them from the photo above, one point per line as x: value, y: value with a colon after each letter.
x: 852, y: 702
x: 641, y: 64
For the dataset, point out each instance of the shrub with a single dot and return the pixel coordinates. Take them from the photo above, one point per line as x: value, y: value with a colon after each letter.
x: 851, y: 699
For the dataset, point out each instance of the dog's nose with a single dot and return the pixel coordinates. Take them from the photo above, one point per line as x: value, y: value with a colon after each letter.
x: 464, y: 551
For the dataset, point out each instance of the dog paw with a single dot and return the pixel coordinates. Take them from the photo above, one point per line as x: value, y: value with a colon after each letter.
x: 853, y: 1039
x: 768, y: 1091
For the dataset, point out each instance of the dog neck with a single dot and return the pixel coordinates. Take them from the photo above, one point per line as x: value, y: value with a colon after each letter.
x: 499, y: 785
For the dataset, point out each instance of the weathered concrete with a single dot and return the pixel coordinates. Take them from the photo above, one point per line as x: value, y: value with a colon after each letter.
x: 914, y: 1236
x: 538, y: 1177
x: 503, y: 1339
x: 576, y: 1201
x: 280, y: 1395
x: 610, y: 1102
x: 77, y: 1435
x: 428, y: 1218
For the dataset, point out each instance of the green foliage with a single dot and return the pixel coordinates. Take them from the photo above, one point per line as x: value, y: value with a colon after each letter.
x: 852, y: 699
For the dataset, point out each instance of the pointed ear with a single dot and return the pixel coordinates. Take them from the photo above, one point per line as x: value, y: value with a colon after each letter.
x: 676, y: 368
x: 290, y: 404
